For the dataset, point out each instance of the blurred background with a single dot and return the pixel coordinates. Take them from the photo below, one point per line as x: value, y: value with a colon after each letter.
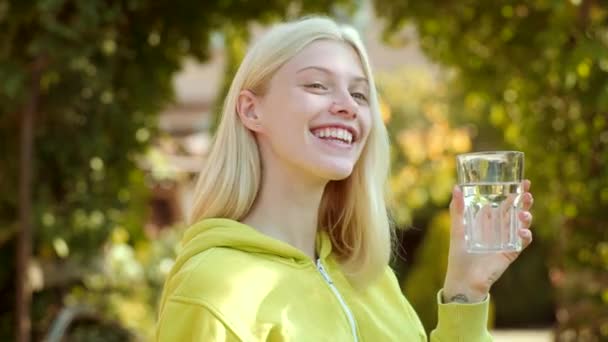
x: 107, y: 109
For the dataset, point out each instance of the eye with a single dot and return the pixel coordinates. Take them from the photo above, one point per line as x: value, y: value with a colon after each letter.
x: 316, y: 85
x: 359, y: 96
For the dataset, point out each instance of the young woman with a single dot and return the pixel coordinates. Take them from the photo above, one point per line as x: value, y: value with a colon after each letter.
x: 290, y: 238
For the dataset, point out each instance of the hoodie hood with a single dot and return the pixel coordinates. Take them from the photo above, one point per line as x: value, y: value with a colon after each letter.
x: 227, y: 233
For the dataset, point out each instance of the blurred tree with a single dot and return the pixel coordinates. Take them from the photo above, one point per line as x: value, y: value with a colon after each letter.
x: 424, y: 143
x: 82, y: 81
x: 415, y: 108
x: 538, y: 71
x: 236, y: 42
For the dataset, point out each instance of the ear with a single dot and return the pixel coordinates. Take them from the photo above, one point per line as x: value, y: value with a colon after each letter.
x: 246, y: 107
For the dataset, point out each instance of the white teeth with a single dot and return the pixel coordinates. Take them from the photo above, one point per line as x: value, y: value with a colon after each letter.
x: 336, y: 133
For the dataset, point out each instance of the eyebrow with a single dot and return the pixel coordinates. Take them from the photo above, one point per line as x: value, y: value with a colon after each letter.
x: 327, y: 71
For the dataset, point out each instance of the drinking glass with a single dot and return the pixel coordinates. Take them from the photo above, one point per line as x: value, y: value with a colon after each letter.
x: 492, y: 185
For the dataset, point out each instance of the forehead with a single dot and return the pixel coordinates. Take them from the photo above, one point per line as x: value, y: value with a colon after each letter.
x: 338, y: 57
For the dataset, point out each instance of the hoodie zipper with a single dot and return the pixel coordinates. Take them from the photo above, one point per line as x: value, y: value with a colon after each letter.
x: 334, y: 289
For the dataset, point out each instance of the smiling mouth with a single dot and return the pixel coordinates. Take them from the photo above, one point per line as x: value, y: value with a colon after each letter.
x: 334, y: 134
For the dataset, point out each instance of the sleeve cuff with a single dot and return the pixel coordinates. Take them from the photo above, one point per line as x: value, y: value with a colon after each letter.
x: 462, y: 322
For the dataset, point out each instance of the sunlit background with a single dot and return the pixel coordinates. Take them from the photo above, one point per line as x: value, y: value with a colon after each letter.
x: 107, y: 109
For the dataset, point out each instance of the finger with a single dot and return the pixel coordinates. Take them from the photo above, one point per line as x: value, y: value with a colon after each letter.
x: 527, y: 185
x: 507, y: 204
x: 457, y: 203
x: 483, y: 229
x: 526, y: 219
x: 526, y: 237
x: 528, y: 201
x: 457, y: 209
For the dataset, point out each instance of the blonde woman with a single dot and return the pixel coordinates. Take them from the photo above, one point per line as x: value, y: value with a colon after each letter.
x: 290, y: 238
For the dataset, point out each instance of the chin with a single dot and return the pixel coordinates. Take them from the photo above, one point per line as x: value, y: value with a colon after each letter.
x: 328, y: 168
x: 335, y: 173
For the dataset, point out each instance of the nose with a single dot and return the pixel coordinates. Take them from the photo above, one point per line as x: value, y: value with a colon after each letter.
x: 344, y: 106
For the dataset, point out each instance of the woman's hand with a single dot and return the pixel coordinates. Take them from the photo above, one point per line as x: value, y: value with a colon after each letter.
x: 470, y: 276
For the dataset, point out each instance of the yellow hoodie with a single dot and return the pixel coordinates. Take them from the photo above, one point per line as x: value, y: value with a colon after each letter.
x: 233, y: 283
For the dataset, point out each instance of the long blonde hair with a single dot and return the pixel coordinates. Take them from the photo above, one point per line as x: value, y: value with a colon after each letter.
x: 353, y: 211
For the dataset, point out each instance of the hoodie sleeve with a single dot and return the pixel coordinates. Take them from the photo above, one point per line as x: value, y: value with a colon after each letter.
x: 189, y: 322
x: 461, y: 322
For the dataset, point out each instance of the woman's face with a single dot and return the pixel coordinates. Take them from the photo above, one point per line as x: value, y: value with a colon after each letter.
x: 314, y: 116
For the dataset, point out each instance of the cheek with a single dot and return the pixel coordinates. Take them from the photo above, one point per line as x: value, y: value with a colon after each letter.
x: 294, y: 110
x: 307, y: 104
x: 366, y: 122
x: 286, y: 123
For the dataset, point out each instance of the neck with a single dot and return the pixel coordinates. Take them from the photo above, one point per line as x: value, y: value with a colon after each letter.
x: 286, y: 207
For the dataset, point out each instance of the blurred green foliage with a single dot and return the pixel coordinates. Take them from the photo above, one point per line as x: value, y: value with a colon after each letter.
x: 105, y: 72
x: 428, y: 272
x: 415, y: 108
x: 537, y: 72
x: 414, y: 103
x: 424, y: 145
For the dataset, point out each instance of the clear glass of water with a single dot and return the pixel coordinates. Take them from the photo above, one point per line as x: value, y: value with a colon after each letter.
x: 492, y: 185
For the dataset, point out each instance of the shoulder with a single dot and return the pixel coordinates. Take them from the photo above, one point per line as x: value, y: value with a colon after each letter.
x: 387, y: 291
x: 385, y: 285
x: 221, y: 275
x: 386, y: 282
x: 210, y: 272
x: 231, y: 285
x: 205, y: 294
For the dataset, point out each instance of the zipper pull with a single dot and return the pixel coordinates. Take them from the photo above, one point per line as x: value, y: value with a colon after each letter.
x: 323, y: 272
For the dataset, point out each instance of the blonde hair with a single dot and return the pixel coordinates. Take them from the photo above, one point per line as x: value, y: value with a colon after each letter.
x: 353, y: 211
